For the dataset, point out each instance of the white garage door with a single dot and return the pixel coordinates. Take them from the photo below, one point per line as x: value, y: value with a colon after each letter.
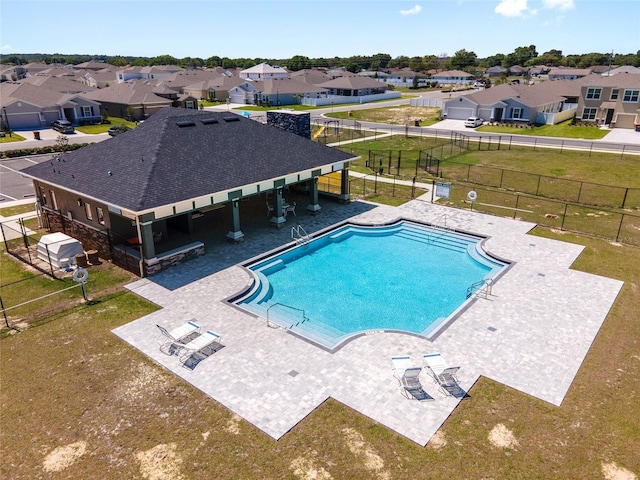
x: 458, y: 113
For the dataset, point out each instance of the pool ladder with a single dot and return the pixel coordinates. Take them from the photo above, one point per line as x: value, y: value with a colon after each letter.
x: 299, y: 235
x: 481, y: 289
x: 302, y: 317
x: 441, y: 225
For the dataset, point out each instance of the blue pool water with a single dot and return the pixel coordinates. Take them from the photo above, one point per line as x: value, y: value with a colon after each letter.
x: 406, y: 276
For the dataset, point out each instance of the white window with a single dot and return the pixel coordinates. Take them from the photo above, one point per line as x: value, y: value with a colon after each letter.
x: 54, y: 201
x: 631, y: 95
x: 100, y: 215
x: 614, y: 94
x: 517, y: 112
x: 87, y: 210
x: 589, y: 113
x: 593, y: 93
x: 87, y: 111
x: 189, y: 104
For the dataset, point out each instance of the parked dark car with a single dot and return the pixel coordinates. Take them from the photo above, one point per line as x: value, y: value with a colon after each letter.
x: 116, y: 130
x: 63, y: 126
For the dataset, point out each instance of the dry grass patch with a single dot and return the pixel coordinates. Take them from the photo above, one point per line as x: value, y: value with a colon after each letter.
x: 367, y: 456
x: 438, y: 441
x: 233, y: 425
x: 160, y: 463
x: 611, y: 471
x: 63, y: 457
x: 500, y: 436
x: 307, y: 469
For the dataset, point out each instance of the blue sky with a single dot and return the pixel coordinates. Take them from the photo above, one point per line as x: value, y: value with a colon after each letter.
x: 317, y: 28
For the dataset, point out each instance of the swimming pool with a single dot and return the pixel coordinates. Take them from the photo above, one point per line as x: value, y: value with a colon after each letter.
x: 358, y: 279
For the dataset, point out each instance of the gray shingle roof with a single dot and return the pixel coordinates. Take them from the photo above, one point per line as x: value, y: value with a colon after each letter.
x: 161, y: 163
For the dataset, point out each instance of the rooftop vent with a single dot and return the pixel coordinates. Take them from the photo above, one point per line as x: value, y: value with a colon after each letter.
x: 186, y: 123
x: 208, y: 121
x: 231, y: 118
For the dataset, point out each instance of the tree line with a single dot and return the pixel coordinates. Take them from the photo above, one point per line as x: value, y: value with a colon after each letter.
x: 525, y: 56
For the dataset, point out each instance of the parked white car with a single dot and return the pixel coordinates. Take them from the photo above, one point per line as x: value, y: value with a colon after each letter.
x: 473, y: 122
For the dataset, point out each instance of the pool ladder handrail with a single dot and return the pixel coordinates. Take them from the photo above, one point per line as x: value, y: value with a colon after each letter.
x: 303, y: 316
x: 300, y: 238
x: 481, y: 289
x: 440, y: 224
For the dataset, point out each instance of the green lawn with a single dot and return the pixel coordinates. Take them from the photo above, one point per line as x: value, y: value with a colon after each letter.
x: 10, y: 138
x: 564, y: 129
x: 103, y: 127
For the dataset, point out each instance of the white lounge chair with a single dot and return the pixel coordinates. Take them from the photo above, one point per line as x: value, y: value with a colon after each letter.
x: 408, y: 377
x: 197, y: 345
x: 176, y: 336
x: 443, y: 375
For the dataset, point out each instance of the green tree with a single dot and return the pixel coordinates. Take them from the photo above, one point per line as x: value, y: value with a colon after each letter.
x: 298, y: 62
x: 463, y: 59
x: 521, y: 56
x: 353, y: 67
x: 415, y: 64
x: 164, y: 60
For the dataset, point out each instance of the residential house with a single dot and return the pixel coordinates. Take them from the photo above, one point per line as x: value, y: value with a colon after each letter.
x: 623, y: 69
x: 610, y: 100
x: 403, y: 77
x: 216, y: 89
x: 518, y: 71
x: 452, y: 77
x: 99, y: 78
x: 93, y: 66
x: 522, y: 104
x: 134, y: 99
x: 353, y: 86
x: 263, y: 71
x: 496, y: 71
x: 568, y: 73
x: 135, y: 197
x: 29, y: 106
x: 282, y: 91
x: 146, y: 73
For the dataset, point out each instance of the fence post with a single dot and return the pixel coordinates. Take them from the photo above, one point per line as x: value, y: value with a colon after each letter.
x: 516, y: 208
x: 619, y: 227
x: 579, y: 192
x: 624, y: 199
x: 564, y: 215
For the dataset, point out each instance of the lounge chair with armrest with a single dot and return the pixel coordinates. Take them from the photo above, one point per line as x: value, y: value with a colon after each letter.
x: 443, y: 375
x: 408, y: 377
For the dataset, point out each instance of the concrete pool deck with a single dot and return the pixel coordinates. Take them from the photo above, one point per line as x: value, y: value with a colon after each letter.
x: 532, y: 334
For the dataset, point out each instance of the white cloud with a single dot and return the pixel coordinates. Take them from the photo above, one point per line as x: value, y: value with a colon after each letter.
x: 5, y: 47
x: 512, y: 8
x: 412, y: 11
x: 562, y: 5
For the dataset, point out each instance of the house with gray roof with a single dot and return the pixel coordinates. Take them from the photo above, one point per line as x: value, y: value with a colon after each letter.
x: 135, y: 99
x: 568, y: 73
x: 353, y: 86
x: 452, y: 77
x: 29, y: 106
x: 146, y: 73
x: 263, y: 71
x: 524, y: 104
x: 136, y: 196
x: 610, y: 100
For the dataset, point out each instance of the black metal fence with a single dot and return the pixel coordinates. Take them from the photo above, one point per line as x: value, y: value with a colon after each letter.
x: 568, y: 190
x: 621, y: 227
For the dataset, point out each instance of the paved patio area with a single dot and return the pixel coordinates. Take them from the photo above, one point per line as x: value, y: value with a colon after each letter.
x: 531, y: 335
